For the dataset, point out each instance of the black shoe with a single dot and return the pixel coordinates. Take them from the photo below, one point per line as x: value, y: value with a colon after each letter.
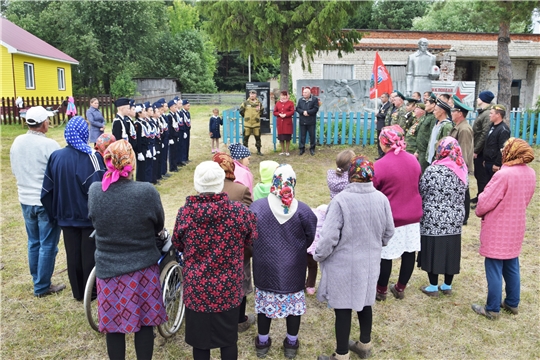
x: 182, y: 164
x: 474, y: 200
x: 175, y: 170
x: 259, y: 153
x: 290, y: 350
x: 465, y: 222
x: 312, y: 152
x: 302, y: 151
x: 167, y: 175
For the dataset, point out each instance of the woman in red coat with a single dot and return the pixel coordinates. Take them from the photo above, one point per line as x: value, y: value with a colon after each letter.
x: 284, y: 111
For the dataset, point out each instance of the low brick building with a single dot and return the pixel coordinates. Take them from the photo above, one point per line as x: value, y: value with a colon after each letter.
x: 461, y: 57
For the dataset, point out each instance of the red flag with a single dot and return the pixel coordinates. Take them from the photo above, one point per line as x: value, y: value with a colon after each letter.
x: 381, y: 81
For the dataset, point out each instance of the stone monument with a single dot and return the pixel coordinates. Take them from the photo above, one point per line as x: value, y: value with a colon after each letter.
x: 421, y: 69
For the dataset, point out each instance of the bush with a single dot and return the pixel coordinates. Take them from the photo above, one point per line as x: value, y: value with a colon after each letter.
x: 123, y: 85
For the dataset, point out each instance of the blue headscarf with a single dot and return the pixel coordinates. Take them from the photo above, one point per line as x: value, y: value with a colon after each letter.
x: 76, y: 134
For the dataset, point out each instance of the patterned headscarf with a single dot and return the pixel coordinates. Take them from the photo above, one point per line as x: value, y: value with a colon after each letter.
x: 517, y: 151
x: 76, y: 134
x: 227, y: 164
x: 239, y: 151
x: 361, y: 170
x: 103, y: 141
x: 449, y: 154
x: 393, y: 136
x: 281, y: 198
x: 119, y: 160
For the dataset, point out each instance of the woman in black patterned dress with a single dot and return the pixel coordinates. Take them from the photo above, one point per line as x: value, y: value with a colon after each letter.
x: 442, y: 188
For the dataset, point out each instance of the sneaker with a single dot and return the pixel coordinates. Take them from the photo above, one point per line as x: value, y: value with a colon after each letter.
x: 363, y: 350
x: 262, y: 349
x: 53, y: 289
x: 244, y: 326
x: 512, y: 310
x: 481, y: 310
x: 287, y: 154
x: 334, y: 356
x: 281, y: 154
x: 400, y: 295
x: 310, y: 290
x: 290, y: 350
x: 429, y: 293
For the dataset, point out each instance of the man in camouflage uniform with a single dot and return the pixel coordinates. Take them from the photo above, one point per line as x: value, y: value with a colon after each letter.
x: 410, y: 135
x: 397, y: 115
x: 442, y: 127
x: 408, y: 120
x: 251, y: 111
x: 423, y: 132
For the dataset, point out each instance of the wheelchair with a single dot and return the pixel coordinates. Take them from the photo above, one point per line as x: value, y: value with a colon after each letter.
x: 172, y: 283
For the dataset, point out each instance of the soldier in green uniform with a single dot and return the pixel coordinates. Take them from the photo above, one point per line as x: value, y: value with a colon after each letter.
x: 410, y: 135
x: 398, y: 112
x: 423, y: 132
x: 251, y: 111
x: 442, y: 127
x: 408, y: 120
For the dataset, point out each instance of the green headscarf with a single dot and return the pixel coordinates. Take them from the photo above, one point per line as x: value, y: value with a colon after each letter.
x: 266, y: 169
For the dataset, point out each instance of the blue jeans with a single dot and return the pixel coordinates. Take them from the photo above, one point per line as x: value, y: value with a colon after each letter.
x: 43, y: 237
x: 496, y: 270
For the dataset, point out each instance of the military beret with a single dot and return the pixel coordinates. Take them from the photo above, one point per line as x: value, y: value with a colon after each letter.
x: 433, y: 97
x: 400, y: 94
x: 412, y: 100
x: 252, y: 91
x: 421, y: 106
x: 121, y: 102
x: 458, y: 105
x: 499, y: 107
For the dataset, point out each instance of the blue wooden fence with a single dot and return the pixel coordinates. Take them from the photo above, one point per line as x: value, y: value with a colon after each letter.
x: 358, y: 128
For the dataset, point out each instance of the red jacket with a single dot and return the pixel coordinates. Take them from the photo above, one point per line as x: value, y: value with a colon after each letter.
x: 284, y: 125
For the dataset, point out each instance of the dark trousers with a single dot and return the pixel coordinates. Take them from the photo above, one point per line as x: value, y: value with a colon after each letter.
x: 227, y: 353
x: 293, y: 324
x: 184, y: 147
x: 343, y: 327
x: 480, y: 173
x: 467, y: 205
x: 80, y: 251
x: 405, y: 271
x: 148, y: 169
x: 310, y: 129
x: 156, y: 165
x: 144, y: 344
x: 141, y: 170
x: 180, y: 148
x: 379, y: 149
x: 312, y: 271
x: 488, y: 168
x: 173, y: 149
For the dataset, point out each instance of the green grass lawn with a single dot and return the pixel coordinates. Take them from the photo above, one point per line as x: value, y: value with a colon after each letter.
x: 417, y: 327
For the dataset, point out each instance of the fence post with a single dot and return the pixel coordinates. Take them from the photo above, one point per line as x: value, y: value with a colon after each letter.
x: 358, y: 119
x: 531, y: 132
x: 274, y: 127
x: 350, y: 126
x: 372, y: 129
x: 525, y: 121
x: 364, y: 140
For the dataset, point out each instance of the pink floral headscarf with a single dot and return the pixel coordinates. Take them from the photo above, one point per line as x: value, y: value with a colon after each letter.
x: 393, y: 136
x: 119, y: 160
x: 281, y: 198
x: 449, y: 154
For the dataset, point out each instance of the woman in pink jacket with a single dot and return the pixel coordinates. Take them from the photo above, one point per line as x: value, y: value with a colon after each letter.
x: 502, y: 207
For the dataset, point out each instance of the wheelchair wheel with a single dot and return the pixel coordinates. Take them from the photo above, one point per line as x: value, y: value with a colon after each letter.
x: 173, y: 291
x: 91, y: 307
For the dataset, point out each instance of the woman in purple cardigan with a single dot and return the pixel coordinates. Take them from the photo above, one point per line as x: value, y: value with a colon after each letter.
x: 397, y: 175
x: 286, y: 229
x: 502, y: 206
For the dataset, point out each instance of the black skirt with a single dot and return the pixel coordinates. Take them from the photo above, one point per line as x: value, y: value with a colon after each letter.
x: 284, y: 137
x: 440, y: 254
x: 212, y: 330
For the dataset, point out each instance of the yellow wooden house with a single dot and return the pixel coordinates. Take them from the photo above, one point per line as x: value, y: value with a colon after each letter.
x: 31, y: 67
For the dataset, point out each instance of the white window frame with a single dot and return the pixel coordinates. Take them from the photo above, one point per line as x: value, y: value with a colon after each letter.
x: 29, y: 78
x: 61, y: 75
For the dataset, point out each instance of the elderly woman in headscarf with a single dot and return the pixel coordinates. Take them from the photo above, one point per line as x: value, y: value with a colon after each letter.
x: 213, y: 232
x: 238, y: 192
x: 103, y: 142
x: 126, y: 253
x: 503, y: 205
x: 350, y: 264
x: 286, y: 229
x: 442, y: 188
x: 241, y: 156
x: 69, y: 174
x: 397, y: 175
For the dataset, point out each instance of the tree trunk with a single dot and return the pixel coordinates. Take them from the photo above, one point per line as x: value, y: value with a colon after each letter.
x: 284, y: 68
x: 505, y: 68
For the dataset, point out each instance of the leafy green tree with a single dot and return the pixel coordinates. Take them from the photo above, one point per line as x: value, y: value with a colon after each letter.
x: 396, y: 15
x: 362, y: 18
x: 285, y: 28
x: 457, y: 16
x: 123, y: 85
x: 182, y: 16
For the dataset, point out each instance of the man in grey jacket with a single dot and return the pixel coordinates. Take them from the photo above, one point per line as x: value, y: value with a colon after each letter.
x: 307, y: 109
x: 29, y: 155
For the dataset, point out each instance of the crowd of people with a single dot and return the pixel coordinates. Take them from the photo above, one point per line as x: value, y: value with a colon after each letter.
x: 240, y: 237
